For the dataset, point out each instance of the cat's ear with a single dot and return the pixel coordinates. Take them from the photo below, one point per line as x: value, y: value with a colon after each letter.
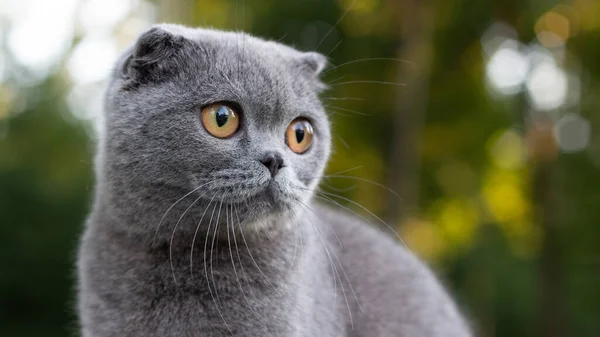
x: 153, y: 56
x: 314, y: 62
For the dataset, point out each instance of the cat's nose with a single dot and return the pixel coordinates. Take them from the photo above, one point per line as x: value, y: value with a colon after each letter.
x: 273, y: 161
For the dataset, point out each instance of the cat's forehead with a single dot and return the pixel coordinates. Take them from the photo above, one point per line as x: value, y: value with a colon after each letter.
x: 255, y: 70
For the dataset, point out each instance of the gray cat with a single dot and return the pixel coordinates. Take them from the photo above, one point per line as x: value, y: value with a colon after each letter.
x: 204, y: 222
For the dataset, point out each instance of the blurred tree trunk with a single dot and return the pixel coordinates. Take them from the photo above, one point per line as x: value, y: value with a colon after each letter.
x: 416, y: 38
x: 552, y: 317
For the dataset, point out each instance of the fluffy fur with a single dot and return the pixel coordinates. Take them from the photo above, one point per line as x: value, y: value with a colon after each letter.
x: 191, y: 236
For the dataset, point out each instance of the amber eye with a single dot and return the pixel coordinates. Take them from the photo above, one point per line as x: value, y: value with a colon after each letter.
x: 299, y: 135
x: 220, y: 120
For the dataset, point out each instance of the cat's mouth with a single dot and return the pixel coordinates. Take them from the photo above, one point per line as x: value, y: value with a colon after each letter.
x: 260, y: 190
x: 271, y: 194
x: 270, y: 200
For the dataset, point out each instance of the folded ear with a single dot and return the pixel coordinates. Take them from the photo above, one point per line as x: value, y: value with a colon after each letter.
x: 314, y: 62
x: 153, y: 57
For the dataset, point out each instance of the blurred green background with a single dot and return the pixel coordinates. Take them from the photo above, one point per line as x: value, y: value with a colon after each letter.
x: 481, y: 115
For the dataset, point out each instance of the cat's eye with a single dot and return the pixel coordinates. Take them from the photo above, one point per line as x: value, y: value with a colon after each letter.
x: 220, y: 120
x: 299, y: 135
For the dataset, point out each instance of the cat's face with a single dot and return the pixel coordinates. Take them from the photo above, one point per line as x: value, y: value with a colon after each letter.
x: 232, y: 116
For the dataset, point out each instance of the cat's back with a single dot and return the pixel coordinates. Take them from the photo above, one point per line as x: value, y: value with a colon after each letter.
x: 390, y: 292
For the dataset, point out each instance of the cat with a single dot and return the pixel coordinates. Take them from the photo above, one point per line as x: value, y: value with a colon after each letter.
x: 204, y: 221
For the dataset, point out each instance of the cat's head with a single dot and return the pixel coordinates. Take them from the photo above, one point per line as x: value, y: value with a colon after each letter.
x: 235, y: 117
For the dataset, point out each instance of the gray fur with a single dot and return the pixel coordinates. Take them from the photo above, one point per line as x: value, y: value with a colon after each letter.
x: 244, y: 254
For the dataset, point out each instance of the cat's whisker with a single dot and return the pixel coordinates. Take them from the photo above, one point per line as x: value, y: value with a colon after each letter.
x: 339, y: 114
x: 196, y: 234
x: 325, y: 194
x: 337, y: 239
x: 336, y: 189
x: 348, y: 110
x: 281, y: 38
x: 335, y: 80
x: 294, y: 224
x: 368, y: 59
x: 205, y: 262
x: 234, y: 207
x: 344, y: 98
x: 343, y: 171
x: 336, y: 24
x: 237, y: 278
x: 315, y: 214
x: 173, y: 236
x: 250, y: 252
x: 335, y: 271
x: 344, y: 271
x: 205, y: 250
x: 335, y: 47
x: 173, y: 205
x: 344, y: 142
x: 369, y: 82
x: 338, y: 175
x: 328, y: 176
x: 339, y: 262
x: 212, y: 247
x: 206, y: 269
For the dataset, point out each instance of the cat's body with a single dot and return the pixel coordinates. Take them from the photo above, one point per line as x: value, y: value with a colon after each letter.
x: 193, y: 235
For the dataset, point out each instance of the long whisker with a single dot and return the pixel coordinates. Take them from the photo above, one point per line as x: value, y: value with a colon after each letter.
x: 315, y: 214
x: 250, y: 252
x: 196, y: 234
x: 366, y: 210
x: 364, y: 180
x: 344, y: 142
x: 281, y: 38
x: 369, y: 82
x: 344, y: 98
x: 336, y: 80
x: 233, y: 262
x: 335, y: 272
x: 326, y: 194
x: 336, y: 113
x: 212, y: 245
x: 340, y: 263
x: 368, y: 59
x: 337, y: 189
x: 345, y: 171
x: 335, y: 25
x: 205, y: 251
x: 173, y: 205
x: 206, y: 271
x: 294, y: 226
x: 173, y: 236
x: 335, y: 47
x: 348, y: 110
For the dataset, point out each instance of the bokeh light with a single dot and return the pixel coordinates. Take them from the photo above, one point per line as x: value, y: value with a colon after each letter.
x: 573, y: 133
x: 41, y: 32
x: 507, y: 68
x: 92, y: 59
x: 547, y: 86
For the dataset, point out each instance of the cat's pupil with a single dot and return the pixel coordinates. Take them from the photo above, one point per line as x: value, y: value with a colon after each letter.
x: 221, y: 116
x: 299, y: 134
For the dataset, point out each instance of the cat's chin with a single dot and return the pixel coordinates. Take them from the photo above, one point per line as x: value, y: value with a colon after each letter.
x: 269, y: 204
